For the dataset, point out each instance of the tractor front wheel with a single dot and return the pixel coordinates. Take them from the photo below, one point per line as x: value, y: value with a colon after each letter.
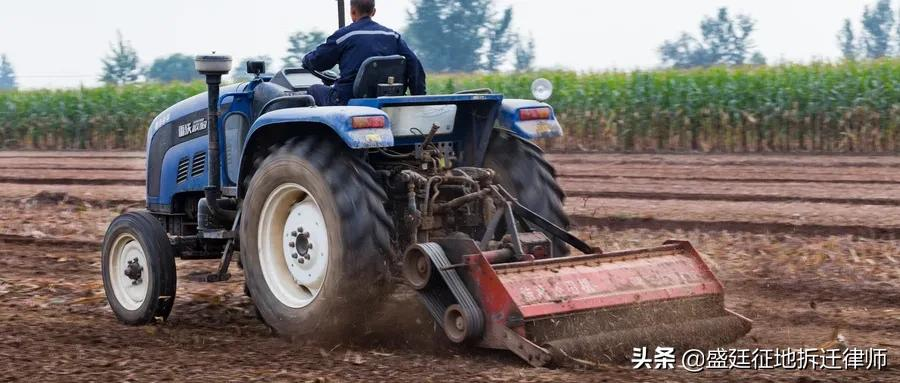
x: 138, y: 267
x: 314, y: 239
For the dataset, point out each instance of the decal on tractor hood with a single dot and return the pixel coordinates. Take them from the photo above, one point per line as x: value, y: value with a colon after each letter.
x: 192, y: 127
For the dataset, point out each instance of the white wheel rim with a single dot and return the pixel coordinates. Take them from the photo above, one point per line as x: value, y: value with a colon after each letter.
x: 291, y: 220
x: 126, y: 253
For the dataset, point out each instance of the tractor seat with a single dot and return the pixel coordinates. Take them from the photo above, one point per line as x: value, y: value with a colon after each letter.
x: 381, y: 76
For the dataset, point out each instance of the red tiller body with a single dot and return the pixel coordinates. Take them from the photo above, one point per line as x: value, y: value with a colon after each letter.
x: 511, y: 294
x: 566, y: 285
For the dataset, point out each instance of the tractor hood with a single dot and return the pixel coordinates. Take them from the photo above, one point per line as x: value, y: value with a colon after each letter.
x: 187, y: 110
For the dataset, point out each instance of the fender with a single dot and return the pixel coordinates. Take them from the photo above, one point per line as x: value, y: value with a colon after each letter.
x: 338, y: 118
x: 529, y: 130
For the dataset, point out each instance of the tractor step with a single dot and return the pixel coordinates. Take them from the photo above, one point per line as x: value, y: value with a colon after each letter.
x: 207, y: 277
x: 221, y: 275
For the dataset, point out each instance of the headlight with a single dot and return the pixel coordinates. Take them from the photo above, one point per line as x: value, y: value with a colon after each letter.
x: 542, y: 89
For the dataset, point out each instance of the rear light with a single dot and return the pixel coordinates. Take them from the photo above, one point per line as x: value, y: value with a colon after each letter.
x: 534, y: 114
x: 368, y: 122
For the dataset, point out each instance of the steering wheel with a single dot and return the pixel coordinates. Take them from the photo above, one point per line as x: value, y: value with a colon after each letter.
x: 328, y: 77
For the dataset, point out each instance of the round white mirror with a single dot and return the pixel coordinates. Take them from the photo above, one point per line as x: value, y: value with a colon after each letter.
x: 542, y: 89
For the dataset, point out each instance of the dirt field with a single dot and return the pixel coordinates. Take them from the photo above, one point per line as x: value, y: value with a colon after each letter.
x: 806, y: 246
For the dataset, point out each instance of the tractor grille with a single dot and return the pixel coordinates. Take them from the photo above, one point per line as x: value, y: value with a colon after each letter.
x: 183, y: 165
x: 198, y: 164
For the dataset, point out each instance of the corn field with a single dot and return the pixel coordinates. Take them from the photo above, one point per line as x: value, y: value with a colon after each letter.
x: 848, y: 107
x: 87, y: 118
x: 851, y: 107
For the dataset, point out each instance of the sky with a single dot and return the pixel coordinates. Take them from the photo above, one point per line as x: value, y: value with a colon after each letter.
x: 59, y: 43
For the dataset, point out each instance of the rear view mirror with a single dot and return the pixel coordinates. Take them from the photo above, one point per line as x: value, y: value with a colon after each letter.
x: 256, y: 67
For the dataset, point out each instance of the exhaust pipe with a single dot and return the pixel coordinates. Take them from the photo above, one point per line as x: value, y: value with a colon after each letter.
x: 213, y: 67
x: 342, y: 18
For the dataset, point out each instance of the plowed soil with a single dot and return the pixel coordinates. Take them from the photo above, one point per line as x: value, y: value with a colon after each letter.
x: 95, y: 194
x: 804, y: 259
x: 855, y: 194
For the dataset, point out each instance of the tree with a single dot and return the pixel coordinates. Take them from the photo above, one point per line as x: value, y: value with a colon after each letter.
x: 847, y: 41
x: 500, y: 41
x: 898, y: 32
x: 239, y: 73
x: 724, y: 41
x: 878, y: 25
x: 525, y: 54
x: 176, y: 67
x: 459, y: 35
x: 301, y: 43
x: 685, y: 52
x: 757, y: 59
x: 425, y: 33
x: 121, y: 65
x: 7, y: 74
x: 448, y: 34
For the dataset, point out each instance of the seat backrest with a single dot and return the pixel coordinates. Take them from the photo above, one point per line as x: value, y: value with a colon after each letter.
x: 380, y: 76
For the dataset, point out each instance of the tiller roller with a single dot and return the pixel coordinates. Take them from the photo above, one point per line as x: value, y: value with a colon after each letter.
x: 513, y: 294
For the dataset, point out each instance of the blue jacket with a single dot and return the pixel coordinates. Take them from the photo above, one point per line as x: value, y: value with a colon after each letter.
x: 352, y: 45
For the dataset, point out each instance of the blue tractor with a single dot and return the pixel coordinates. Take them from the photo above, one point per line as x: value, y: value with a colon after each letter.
x: 328, y: 206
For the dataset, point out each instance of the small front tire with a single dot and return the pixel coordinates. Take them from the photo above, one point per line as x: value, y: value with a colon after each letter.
x: 138, y: 267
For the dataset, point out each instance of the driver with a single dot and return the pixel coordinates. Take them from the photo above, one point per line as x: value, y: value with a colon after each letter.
x: 352, y: 45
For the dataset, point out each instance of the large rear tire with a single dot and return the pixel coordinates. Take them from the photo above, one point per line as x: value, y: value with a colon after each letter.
x: 522, y: 170
x: 315, y: 239
x: 138, y: 268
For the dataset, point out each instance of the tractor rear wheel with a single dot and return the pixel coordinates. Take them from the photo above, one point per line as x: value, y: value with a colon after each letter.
x: 522, y: 170
x: 138, y: 267
x: 314, y: 239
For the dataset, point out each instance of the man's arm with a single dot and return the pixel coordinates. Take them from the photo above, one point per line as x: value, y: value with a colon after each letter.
x: 325, y: 56
x: 415, y: 73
